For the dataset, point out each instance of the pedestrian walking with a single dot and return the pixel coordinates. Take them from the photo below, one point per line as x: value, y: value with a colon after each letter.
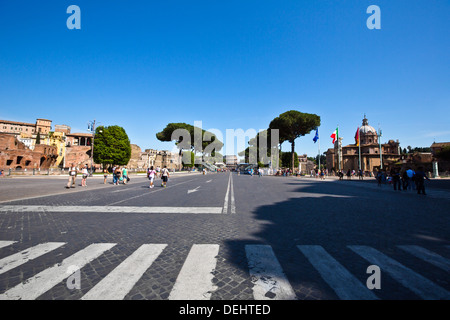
x: 349, y: 174
x: 419, y: 178
x: 105, y: 175
x: 117, y: 176
x: 379, y: 177
x: 151, y: 173
x: 405, y: 180
x: 410, y: 172
x: 85, y: 174
x: 125, y: 175
x: 164, y: 176
x: 395, y: 174
x: 73, y: 171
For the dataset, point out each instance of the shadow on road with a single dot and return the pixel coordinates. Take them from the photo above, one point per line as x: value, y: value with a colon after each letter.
x: 335, y: 217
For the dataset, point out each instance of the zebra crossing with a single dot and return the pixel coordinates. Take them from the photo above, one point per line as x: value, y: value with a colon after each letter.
x: 195, y: 279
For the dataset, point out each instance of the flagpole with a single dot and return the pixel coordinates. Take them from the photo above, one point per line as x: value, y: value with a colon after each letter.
x: 359, y: 148
x: 339, y: 152
x: 318, y: 145
x: 381, y: 151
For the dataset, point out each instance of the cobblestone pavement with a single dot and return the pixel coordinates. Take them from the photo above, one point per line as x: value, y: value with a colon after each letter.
x: 222, y: 237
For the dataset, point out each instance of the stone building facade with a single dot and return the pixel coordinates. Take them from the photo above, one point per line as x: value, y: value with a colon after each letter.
x: 16, y: 155
x: 42, y: 126
x: 370, y: 152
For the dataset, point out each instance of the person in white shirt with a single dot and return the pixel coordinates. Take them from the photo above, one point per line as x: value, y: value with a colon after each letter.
x: 164, y: 176
x: 84, y: 176
x: 151, y: 176
x: 73, y: 170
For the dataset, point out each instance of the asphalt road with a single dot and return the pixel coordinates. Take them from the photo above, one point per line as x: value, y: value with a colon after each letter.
x: 221, y: 237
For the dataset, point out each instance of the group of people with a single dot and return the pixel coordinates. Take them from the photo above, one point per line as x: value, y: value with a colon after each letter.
x: 119, y: 175
x: 408, y: 179
x: 73, y: 172
x: 350, y: 174
x: 152, y: 174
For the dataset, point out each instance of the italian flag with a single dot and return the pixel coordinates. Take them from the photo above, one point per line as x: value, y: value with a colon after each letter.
x: 335, y: 135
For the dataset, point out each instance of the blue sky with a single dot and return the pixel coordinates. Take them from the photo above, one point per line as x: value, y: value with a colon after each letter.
x: 230, y: 64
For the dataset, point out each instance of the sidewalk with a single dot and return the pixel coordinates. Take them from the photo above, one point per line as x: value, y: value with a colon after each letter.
x: 435, y: 188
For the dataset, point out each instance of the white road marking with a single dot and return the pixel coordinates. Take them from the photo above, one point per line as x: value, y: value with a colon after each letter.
x: 194, y: 281
x: 6, y: 243
x: 24, y: 256
x: 111, y: 209
x: 225, y: 203
x: 233, y: 205
x: 47, y: 279
x: 421, y: 286
x: 270, y: 282
x: 428, y: 256
x: 346, y: 286
x: 118, y: 283
x: 151, y: 192
x: 193, y: 190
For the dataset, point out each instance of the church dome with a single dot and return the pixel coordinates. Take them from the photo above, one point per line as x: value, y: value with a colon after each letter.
x: 367, y: 133
x: 366, y: 128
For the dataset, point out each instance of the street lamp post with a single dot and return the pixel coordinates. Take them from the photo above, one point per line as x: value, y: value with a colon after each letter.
x: 381, y: 151
x: 91, y: 128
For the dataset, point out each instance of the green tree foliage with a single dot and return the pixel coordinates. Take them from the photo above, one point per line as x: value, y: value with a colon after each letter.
x: 208, y: 143
x: 323, y: 160
x: 111, y: 146
x: 293, y: 124
x: 188, y: 155
x: 254, y: 143
x: 286, y: 159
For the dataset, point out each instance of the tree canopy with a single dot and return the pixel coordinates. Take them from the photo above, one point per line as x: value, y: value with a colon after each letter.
x: 185, y: 137
x: 293, y: 124
x: 111, y: 145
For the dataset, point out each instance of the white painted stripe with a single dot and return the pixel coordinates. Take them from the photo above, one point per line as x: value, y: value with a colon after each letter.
x: 47, y: 279
x: 233, y: 205
x: 148, y: 192
x: 225, y: 203
x: 346, y: 286
x: 194, y: 282
x: 6, y: 243
x: 118, y: 283
x: 428, y: 256
x: 111, y: 209
x: 421, y: 286
x: 269, y: 280
x: 24, y: 256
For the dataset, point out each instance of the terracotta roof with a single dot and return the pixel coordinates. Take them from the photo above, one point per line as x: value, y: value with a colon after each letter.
x: 79, y: 134
x: 440, y: 144
x: 18, y: 123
